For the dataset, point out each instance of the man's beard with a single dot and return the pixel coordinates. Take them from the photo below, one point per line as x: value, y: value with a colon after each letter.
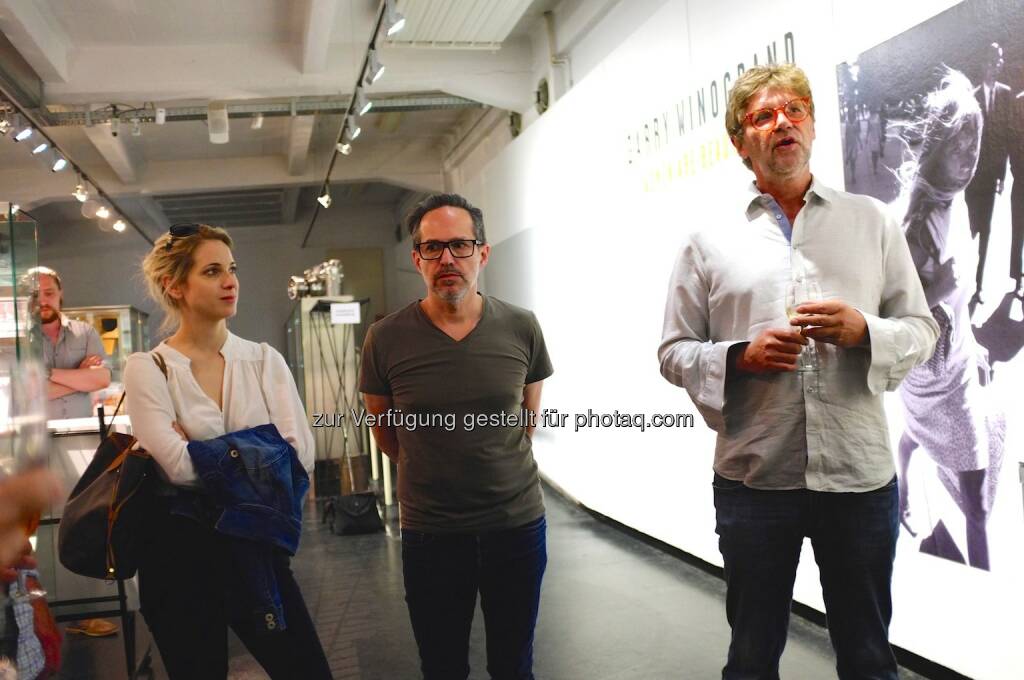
x: 48, y: 315
x: 791, y: 170
x: 453, y: 295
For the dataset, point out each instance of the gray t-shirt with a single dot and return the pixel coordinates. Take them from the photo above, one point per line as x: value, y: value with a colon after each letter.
x: 453, y: 477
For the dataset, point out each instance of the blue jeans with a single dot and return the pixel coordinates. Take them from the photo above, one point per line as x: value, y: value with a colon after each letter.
x: 444, y: 572
x: 854, y: 540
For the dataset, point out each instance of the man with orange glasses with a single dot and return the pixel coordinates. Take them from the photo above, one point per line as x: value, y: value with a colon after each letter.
x: 803, y: 447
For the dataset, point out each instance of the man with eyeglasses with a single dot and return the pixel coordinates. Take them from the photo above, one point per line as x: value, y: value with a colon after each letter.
x: 799, y: 454
x: 472, y: 513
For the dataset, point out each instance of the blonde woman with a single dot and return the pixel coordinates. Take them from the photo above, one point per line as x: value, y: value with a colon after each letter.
x: 947, y: 411
x: 191, y: 579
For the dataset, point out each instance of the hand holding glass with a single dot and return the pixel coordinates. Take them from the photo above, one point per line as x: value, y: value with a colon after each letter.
x: 798, y: 292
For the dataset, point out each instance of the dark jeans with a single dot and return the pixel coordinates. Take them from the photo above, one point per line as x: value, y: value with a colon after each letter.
x: 185, y: 586
x: 443, y: 573
x: 854, y: 540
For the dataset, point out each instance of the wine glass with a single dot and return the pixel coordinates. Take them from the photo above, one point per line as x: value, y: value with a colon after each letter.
x: 798, y: 291
x: 23, y: 434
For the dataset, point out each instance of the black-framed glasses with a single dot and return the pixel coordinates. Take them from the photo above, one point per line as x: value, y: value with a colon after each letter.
x: 432, y: 250
x: 181, y: 231
x: 795, y: 109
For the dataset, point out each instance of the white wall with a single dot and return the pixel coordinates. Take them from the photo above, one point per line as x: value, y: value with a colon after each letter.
x: 594, y: 232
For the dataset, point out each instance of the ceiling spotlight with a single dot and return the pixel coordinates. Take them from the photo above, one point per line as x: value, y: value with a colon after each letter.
x: 15, y: 208
x: 161, y: 115
x: 115, y: 125
x: 257, y: 121
x: 393, y: 19
x: 120, y: 226
x: 325, y: 199
x: 89, y: 208
x: 59, y: 162
x: 24, y: 130
x: 344, y: 148
x: 80, y: 192
x: 352, y: 131
x: 103, y: 212
x: 362, y: 105
x: 136, y: 128
x: 5, y: 125
x: 41, y: 147
x: 374, y: 69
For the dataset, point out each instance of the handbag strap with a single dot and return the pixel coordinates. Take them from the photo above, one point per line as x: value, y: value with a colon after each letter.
x: 161, y: 364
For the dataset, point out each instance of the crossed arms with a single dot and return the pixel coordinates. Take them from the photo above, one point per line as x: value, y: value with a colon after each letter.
x: 91, y: 375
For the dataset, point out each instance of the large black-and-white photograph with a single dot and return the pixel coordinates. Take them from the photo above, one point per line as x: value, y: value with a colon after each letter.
x: 932, y: 123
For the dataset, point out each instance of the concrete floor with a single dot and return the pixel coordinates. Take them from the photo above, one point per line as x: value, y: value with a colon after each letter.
x: 613, y: 608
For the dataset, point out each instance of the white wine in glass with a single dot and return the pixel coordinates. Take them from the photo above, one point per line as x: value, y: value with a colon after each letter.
x: 799, y: 291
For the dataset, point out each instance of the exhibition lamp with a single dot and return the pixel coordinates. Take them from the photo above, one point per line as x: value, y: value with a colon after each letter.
x: 19, y: 122
x: 362, y: 104
x: 390, y: 21
x: 394, y: 20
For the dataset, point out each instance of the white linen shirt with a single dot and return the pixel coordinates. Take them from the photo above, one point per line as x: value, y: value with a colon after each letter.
x: 780, y: 430
x: 258, y: 389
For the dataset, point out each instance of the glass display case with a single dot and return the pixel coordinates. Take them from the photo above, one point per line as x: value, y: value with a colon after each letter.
x: 123, y: 329
x: 64, y: 446
x: 323, y: 356
x: 20, y: 342
x: 18, y: 254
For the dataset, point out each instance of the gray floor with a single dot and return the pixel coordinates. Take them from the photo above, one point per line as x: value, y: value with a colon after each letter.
x: 613, y: 608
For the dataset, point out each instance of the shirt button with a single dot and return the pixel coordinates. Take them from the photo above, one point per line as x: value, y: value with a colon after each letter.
x: 810, y: 389
x: 778, y: 217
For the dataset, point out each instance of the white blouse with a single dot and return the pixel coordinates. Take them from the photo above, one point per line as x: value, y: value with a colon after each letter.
x: 258, y: 389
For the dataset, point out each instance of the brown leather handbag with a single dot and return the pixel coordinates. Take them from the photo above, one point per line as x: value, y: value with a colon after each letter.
x: 103, y: 531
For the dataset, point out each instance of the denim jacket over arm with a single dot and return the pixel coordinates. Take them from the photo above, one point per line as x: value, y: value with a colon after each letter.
x: 253, y: 488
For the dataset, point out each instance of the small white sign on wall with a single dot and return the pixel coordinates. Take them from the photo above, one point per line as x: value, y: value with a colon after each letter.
x: 345, y: 312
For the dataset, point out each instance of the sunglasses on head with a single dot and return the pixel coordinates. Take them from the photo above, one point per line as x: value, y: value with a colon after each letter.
x: 181, y: 231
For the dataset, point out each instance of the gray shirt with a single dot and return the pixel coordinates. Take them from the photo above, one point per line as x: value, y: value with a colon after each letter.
x: 453, y: 477
x: 75, y: 341
x: 777, y: 430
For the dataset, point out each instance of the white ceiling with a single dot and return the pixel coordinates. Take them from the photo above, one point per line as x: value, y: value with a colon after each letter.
x: 457, y: 23
x: 108, y: 23
x: 146, y: 53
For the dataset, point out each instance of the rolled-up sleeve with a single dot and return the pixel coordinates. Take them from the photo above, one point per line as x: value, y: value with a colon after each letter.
x: 903, y: 333
x: 688, y: 356
x: 151, y: 412
x: 94, y: 346
x: 285, y: 407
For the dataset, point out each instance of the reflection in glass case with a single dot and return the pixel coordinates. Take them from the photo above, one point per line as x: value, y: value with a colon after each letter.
x: 20, y: 342
x: 18, y: 254
x: 123, y: 329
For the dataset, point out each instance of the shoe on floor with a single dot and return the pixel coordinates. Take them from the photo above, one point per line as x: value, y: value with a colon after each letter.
x: 93, y: 628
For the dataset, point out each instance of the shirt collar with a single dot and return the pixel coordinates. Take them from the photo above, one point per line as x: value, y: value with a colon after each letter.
x: 65, y: 324
x: 759, y: 201
x: 229, y: 350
